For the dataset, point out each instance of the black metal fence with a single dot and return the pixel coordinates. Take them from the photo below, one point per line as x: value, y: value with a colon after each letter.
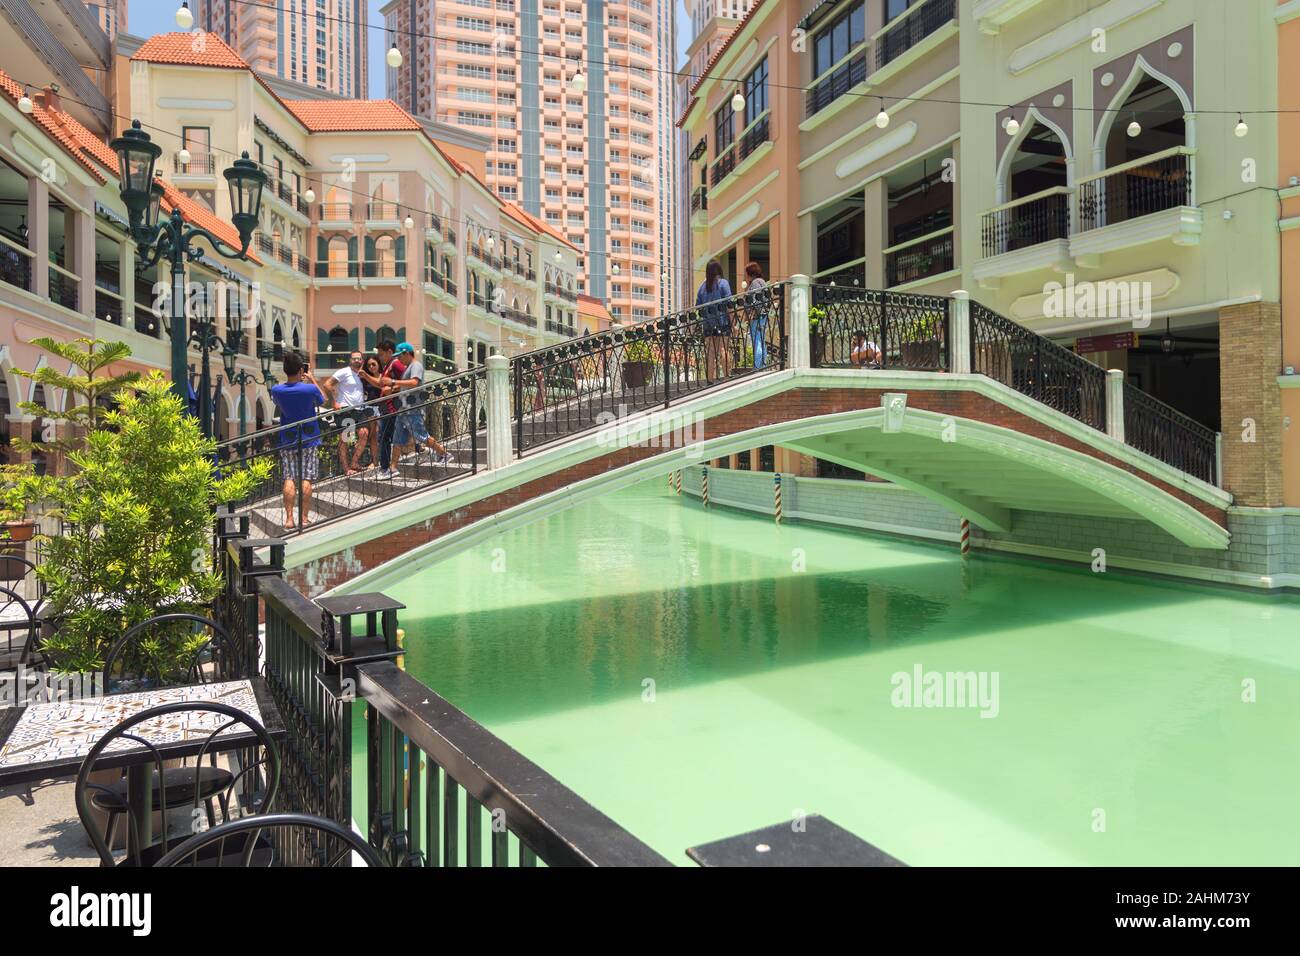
x: 1037, y: 367
x: 439, y: 789
x: 869, y: 328
x: 341, y: 454
x: 1027, y: 224
x: 1165, y: 433
x: 1151, y: 187
x: 919, y: 23
x: 567, y: 388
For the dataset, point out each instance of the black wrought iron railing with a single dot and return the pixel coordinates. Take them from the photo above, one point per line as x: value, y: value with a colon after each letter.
x: 836, y: 83
x: 700, y: 199
x: 438, y: 788
x: 63, y: 287
x: 15, y: 263
x: 869, y: 328
x: 920, y: 260
x: 919, y: 22
x: 357, y: 458
x: 1164, y: 182
x: 108, y: 308
x: 1165, y: 433
x: 1037, y: 367
x: 567, y: 388
x: 1036, y: 220
x: 722, y: 166
x: 753, y: 137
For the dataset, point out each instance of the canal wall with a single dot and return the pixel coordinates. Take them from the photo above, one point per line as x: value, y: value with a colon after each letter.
x: 1264, y: 551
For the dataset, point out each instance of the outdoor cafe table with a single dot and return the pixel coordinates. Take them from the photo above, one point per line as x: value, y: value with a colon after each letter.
x: 49, y: 740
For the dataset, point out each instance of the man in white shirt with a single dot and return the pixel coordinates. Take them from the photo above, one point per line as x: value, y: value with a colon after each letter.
x: 345, y: 390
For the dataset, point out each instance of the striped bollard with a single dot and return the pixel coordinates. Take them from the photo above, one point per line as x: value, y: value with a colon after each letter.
x: 704, y: 485
x: 965, y: 537
x: 677, y: 481
x: 777, y: 486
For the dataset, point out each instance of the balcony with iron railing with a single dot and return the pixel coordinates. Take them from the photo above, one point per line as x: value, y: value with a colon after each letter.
x: 382, y: 211
x: 1027, y: 221
x: 336, y: 212
x: 837, y: 80
x: 64, y: 286
x: 722, y: 166
x: 908, y: 29
x: 1142, y: 187
x: 699, y: 200
x: 15, y: 261
x: 919, y: 259
x: 200, y: 164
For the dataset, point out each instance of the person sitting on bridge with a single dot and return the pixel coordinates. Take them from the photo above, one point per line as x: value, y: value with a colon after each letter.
x: 410, y: 428
x: 297, y: 398
x: 864, y: 353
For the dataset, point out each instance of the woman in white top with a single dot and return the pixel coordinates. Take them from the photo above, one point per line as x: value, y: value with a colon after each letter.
x: 345, y: 389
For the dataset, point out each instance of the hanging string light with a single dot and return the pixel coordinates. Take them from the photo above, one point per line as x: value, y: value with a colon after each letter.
x: 1241, y: 129
x: 184, y: 18
x: 1012, y: 125
x: 183, y: 157
x: 1134, y: 128
x: 578, y: 82
x: 738, y: 102
x: 882, y: 118
x: 24, y: 104
x: 394, y: 56
x: 309, y: 195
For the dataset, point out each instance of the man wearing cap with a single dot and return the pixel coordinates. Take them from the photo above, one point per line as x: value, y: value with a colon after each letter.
x: 410, y: 426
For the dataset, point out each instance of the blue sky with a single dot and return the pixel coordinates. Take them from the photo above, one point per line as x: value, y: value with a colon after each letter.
x: 147, y: 17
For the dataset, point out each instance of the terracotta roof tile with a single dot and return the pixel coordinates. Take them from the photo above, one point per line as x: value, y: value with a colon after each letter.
x: 75, y: 139
x: 194, y: 48
x: 347, y: 116
x: 591, y: 306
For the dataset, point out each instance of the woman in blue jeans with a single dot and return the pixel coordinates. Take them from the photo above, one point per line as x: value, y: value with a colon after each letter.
x: 716, y: 321
x: 757, y: 312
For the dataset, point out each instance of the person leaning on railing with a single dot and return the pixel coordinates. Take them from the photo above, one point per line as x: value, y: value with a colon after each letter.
x: 757, y: 312
x: 716, y: 321
x: 347, y: 390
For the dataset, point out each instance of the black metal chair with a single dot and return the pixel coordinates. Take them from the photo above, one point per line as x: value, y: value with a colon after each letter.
x: 128, y: 670
x: 17, y: 623
x: 249, y: 784
x: 273, y: 839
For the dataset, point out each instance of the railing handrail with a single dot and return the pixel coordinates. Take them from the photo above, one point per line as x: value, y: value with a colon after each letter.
x: 910, y: 11
x: 1137, y: 163
x: 918, y: 240
x: 1032, y: 197
x: 326, y: 417
x: 553, y: 821
x: 864, y: 46
x: 5, y: 240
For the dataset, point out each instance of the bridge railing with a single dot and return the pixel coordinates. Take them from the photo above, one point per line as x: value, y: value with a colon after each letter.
x: 1165, y: 433
x: 850, y: 327
x: 1037, y: 367
x: 570, y: 387
x: 327, y: 451
x: 438, y: 788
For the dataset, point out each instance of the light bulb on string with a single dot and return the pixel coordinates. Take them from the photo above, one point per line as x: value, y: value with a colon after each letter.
x: 184, y: 18
x: 394, y: 56
x: 1012, y: 126
x: 1134, y: 128
x: 578, y: 82
x: 309, y: 195
x: 1241, y: 129
x: 408, y: 222
x: 738, y: 102
x: 183, y: 157
x: 882, y: 118
x: 24, y: 104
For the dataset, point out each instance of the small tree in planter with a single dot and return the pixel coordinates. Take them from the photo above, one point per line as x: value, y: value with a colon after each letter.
x: 919, y: 339
x: 816, y: 337
x: 138, y: 522
x: 638, y: 364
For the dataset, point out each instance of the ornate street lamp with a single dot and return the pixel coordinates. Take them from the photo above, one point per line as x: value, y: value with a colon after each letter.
x: 142, y: 195
x: 241, y: 377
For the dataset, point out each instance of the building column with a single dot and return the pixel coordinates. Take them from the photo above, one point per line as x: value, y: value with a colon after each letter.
x: 83, y: 260
x: 38, y: 236
x: 1250, y: 347
x: 126, y: 273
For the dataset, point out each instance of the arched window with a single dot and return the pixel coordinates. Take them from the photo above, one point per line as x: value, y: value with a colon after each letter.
x: 338, y: 261
x: 1036, y: 165
x: 339, y: 340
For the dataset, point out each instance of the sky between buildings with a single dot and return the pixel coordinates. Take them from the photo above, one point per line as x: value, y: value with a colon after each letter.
x: 147, y: 17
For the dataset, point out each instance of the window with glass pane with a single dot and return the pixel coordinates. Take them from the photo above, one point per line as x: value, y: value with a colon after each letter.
x: 724, y: 130
x: 844, y: 33
x: 894, y: 8
x: 756, y: 93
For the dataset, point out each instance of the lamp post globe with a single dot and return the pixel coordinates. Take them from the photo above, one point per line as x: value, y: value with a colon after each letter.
x: 246, y: 180
x: 136, y: 157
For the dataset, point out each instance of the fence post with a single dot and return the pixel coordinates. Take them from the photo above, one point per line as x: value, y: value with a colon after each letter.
x: 797, y: 322
x: 776, y: 478
x: 1115, y: 404
x: 959, y: 350
x: 704, y: 485
x: 498, y: 411
x: 1218, y: 459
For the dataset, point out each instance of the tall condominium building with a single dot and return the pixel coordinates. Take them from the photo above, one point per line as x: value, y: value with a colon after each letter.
x: 592, y: 158
x: 110, y: 15
x: 712, y: 23
x: 321, y: 43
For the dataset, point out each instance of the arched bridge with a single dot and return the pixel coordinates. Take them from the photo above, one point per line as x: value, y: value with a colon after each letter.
x: 937, y: 394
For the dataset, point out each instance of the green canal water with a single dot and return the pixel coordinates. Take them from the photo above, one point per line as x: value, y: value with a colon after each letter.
x: 697, y: 674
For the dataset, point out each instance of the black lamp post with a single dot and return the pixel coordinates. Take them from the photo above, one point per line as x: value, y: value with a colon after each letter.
x: 142, y: 195
x: 243, y: 378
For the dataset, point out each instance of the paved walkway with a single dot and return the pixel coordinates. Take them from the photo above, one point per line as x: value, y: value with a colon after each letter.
x: 45, y: 832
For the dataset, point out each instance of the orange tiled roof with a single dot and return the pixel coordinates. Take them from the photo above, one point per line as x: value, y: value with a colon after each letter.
x: 591, y: 306
x: 726, y: 44
x: 196, y: 213
x: 520, y: 214
x: 194, y: 49
x: 348, y: 116
x: 76, y: 140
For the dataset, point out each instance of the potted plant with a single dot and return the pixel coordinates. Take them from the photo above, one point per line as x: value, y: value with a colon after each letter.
x: 16, y: 527
x: 137, y: 514
x: 919, y: 339
x: 816, y: 337
x: 638, y: 362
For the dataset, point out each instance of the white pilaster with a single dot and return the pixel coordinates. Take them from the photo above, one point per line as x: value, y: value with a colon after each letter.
x: 959, y: 332
x: 1115, y: 404
x: 797, y: 322
x: 498, y: 411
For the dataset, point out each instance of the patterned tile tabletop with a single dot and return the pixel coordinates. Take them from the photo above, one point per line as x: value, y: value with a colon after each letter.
x: 67, y: 730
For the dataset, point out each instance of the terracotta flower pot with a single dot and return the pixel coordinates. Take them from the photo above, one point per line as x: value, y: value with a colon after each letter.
x: 18, y: 531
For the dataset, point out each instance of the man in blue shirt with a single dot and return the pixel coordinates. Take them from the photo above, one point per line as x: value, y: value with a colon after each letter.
x: 297, y: 398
